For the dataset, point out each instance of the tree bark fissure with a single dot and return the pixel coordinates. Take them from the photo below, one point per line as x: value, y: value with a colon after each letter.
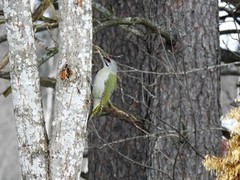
x: 194, y: 106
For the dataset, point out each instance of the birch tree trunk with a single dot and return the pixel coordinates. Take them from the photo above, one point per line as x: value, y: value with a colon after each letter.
x: 30, y: 126
x: 72, y: 101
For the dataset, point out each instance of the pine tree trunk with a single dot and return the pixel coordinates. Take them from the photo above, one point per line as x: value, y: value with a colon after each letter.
x: 189, y: 101
x: 180, y: 105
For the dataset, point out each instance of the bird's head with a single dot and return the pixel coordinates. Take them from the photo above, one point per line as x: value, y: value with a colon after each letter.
x: 110, y: 63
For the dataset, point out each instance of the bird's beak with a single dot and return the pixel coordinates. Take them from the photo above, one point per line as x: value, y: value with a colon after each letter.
x: 107, y: 59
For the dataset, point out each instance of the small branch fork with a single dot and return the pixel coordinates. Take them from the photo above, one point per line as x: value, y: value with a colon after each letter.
x: 127, y: 117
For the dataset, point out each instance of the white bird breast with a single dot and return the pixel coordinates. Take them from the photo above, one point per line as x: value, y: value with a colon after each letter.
x: 99, y: 82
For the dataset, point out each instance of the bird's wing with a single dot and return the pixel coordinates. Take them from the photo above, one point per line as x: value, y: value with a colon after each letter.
x: 110, y: 83
x: 98, y: 90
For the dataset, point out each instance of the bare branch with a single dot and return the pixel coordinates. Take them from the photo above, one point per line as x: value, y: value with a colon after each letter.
x: 229, y: 31
x: 101, y: 9
x: 40, y: 9
x: 228, y: 56
x: 4, y: 61
x: 3, y: 38
x: 134, y: 21
x: 44, y: 82
x: 113, y: 21
x: 194, y: 70
x: 230, y: 73
x: 37, y: 28
x: 231, y: 13
x: 134, y: 120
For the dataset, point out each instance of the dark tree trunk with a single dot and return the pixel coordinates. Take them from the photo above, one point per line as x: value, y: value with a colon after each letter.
x: 189, y: 102
x: 180, y: 111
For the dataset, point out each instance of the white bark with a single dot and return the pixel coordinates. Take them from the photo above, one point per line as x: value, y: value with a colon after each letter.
x: 72, y: 95
x: 26, y: 95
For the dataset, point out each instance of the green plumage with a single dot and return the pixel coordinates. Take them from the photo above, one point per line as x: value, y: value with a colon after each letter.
x: 104, y: 85
x: 110, y: 85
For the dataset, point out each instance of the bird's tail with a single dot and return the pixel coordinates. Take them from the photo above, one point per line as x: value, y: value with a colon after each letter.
x: 96, y: 110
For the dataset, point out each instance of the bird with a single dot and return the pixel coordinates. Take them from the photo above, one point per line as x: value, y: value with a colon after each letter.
x: 104, y: 85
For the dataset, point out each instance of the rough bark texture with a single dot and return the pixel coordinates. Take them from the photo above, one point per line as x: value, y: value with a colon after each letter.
x: 180, y: 111
x: 188, y: 102
x: 128, y: 158
x: 32, y: 140
x: 72, y: 94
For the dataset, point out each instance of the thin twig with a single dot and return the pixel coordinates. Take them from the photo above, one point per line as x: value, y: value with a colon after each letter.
x: 126, y: 157
x: 41, y: 9
x: 194, y: 70
x: 4, y: 61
